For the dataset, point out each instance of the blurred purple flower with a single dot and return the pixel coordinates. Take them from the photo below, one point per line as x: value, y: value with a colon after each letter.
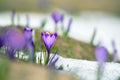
x: 28, y: 33
x: 13, y: 40
x: 48, y: 39
x: 115, y: 55
x: 57, y: 17
x: 29, y: 42
x: 101, y: 55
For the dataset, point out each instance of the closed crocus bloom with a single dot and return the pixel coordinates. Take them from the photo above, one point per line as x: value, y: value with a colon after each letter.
x: 101, y: 55
x: 57, y: 17
x: 29, y: 42
x: 28, y: 33
x: 48, y: 39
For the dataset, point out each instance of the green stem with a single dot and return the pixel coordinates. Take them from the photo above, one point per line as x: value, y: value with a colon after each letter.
x: 48, y: 55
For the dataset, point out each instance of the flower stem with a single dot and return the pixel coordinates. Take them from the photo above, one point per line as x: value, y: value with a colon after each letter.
x: 48, y: 55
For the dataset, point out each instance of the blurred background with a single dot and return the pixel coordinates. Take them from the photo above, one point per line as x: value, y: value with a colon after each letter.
x: 94, y: 22
x: 88, y: 15
x: 76, y: 6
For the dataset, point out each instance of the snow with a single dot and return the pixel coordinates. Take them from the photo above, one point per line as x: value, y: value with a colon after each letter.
x: 87, y: 70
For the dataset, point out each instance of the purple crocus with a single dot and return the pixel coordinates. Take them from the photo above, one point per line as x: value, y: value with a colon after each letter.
x: 101, y: 55
x: 29, y: 42
x: 28, y: 33
x: 115, y: 55
x: 14, y: 41
x: 57, y: 17
x: 48, y: 39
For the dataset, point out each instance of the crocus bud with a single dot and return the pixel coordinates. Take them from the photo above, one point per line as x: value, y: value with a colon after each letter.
x: 57, y: 17
x: 101, y: 55
x: 28, y: 33
x: 29, y: 42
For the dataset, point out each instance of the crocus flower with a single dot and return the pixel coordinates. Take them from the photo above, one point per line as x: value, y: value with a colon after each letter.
x: 115, y: 55
x: 57, y: 17
x: 29, y: 42
x: 48, y: 39
x: 28, y: 33
x: 101, y: 55
x: 13, y: 40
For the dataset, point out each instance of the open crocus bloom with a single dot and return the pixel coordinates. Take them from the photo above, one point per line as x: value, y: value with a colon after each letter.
x: 48, y: 39
x: 57, y: 17
x: 101, y: 54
